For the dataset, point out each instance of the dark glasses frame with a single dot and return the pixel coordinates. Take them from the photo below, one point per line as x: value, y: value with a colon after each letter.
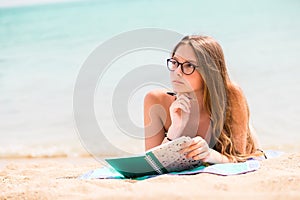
x: 177, y: 64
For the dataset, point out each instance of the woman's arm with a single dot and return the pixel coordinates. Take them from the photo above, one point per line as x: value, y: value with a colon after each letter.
x: 154, y: 118
x: 163, y: 113
x: 199, y: 150
x: 240, y: 118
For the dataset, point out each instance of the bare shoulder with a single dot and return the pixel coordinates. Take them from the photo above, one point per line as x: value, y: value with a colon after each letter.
x: 239, y: 105
x: 236, y: 92
x: 158, y: 96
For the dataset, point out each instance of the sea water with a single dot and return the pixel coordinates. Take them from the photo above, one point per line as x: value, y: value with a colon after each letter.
x: 43, y: 45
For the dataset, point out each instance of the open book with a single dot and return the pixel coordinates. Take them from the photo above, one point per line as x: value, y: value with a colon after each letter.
x: 162, y: 159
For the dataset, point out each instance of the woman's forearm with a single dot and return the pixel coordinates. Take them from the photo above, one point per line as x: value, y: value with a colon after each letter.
x: 174, y: 132
x: 171, y: 135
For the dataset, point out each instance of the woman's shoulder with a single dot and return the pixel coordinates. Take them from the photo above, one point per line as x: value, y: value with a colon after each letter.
x: 158, y: 96
x: 239, y: 104
x: 235, y: 91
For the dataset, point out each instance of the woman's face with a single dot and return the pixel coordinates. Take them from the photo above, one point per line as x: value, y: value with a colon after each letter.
x: 181, y: 82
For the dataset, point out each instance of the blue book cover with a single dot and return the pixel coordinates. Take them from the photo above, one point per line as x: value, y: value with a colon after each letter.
x: 162, y: 159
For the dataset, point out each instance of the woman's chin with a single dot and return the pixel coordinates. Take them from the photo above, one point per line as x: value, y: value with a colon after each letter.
x: 181, y: 90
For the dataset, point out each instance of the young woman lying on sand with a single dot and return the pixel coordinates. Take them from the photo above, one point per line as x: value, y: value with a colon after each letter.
x: 206, y: 105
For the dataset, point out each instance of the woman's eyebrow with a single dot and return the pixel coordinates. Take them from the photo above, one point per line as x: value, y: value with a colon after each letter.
x: 190, y: 61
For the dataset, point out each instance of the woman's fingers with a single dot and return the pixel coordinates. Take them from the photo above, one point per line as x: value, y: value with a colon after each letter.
x: 197, y: 150
x: 197, y: 143
x: 180, y: 112
x: 182, y: 107
x: 186, y: 98
x: 200, y: 153
x: 183, y: 102
x: 185, y: 106
x: 201, y: 156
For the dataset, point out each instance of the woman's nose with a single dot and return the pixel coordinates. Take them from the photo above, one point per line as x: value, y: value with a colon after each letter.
x: 178, y: 71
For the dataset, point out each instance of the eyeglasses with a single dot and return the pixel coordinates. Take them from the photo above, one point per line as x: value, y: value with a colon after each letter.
x: 186, y: 67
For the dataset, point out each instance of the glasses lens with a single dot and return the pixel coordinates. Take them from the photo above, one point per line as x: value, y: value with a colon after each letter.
x: 172, y: 64
x: 188, y: 68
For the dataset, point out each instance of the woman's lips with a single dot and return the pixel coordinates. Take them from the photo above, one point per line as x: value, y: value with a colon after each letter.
x: 177, y: 82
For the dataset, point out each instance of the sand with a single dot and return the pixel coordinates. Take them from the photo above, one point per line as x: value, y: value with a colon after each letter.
x: 55, y: 178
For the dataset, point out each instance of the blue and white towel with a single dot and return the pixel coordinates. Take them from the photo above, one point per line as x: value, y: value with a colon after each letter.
x: 226, y: 169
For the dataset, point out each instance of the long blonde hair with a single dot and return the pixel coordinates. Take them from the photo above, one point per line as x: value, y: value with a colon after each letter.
x: 217, y: 95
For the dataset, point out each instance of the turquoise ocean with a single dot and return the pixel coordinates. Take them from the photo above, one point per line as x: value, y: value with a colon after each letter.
x: 44, y: 43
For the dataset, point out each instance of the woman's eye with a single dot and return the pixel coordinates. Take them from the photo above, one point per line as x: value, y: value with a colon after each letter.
x: 188, y: 65
x: 173, y: 62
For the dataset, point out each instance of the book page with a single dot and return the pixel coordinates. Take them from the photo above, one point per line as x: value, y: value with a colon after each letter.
x: 170, y: 157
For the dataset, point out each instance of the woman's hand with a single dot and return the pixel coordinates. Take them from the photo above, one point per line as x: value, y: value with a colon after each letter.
x: 179, y: 113
x: 198, y: 149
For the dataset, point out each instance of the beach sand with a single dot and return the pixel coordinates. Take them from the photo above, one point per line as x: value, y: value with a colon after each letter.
x: 55, y: 178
